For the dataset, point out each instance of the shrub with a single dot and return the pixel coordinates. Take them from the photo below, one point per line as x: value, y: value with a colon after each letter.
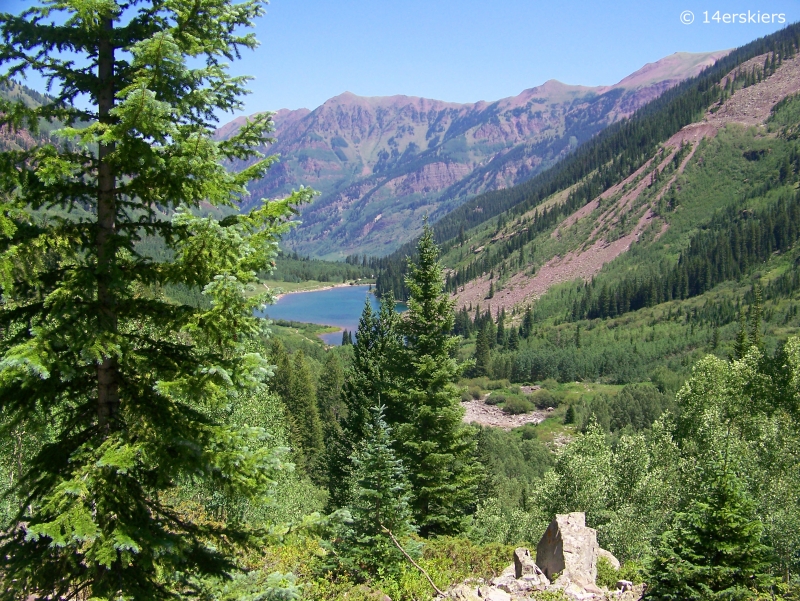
x: 632, y: 570
x: 465, y: 395
x: 475, y: 392
x: 516, y: 405
x: 448, y: 560
x: 550, y: 384
x: 498, y: 384
x: 481, y: 382
x: 544, y: 398
x: 495, y: 399
x: 607, y: 575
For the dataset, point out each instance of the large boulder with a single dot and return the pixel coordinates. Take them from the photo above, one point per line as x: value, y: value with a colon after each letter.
x: 525, y: 567
x: 568, y: 548
x: 522, y: 577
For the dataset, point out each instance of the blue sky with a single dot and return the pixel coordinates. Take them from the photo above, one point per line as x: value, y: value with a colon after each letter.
x: 465, y: 50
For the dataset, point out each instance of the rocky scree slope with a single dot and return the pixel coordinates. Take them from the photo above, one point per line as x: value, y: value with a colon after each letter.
x: 609, y: 225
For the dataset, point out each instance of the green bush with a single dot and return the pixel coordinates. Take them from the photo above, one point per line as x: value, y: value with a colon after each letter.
x: 475, y: 392
x: 465, y: 395
x: 498, y: 384
x: 515, y: 405
x: 550, y: 384
x: 495, y: 399
x: 607, y: 575
x: 481, y: 382
x: 632, y: 570
x: 448, y: 561
x: 544, y: 398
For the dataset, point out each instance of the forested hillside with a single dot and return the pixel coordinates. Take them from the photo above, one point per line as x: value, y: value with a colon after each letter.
x: 611, y: 157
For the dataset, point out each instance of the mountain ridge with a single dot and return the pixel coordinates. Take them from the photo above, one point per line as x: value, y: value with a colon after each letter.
x: 580, y: 245
x: 382, y: 163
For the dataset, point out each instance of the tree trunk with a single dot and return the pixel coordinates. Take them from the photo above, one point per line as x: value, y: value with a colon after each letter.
x: 107, y: 369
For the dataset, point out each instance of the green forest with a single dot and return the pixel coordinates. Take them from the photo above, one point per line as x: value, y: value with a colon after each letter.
x: 160, y: 441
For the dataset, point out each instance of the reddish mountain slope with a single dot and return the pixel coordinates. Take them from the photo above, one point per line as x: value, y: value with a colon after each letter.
x: 382, y: 163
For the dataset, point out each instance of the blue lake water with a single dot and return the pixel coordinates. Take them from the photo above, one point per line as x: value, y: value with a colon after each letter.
x: 340, y: 307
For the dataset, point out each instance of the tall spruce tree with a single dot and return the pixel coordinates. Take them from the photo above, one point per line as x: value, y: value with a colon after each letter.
x: 482, y: 354
x: 329, y: 395
x: 433, y: 442
x: 742, y: 342
x: 304, y: 416
x: 756, y: 338
x: 281, y: 382
x: 372, y: 377
x: 379, y: 502
x: 128, y: 383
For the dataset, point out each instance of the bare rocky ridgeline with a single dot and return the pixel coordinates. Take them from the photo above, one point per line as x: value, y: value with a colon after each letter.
x: 382, y: 163
x: 567, y: 553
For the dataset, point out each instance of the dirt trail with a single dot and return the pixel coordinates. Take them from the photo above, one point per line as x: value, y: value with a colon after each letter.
x: 750, y: 107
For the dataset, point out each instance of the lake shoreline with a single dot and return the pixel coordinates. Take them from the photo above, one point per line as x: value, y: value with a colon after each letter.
x: 321, y: 289
x: 338, y: 308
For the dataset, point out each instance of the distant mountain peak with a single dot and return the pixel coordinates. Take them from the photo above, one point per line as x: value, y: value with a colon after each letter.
x: 673, y: 68
x: 403, y: 156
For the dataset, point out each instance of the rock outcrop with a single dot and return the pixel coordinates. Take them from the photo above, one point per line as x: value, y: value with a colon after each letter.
x: 570, y: 549
x: 567, y: 553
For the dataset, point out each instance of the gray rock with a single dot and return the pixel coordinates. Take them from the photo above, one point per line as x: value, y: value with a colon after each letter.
x: 524, y: 564
x: 462, y: 592
x: 569, y: 548
x: 494, y: 594
x: 624, y: 585
x: 609, y: 556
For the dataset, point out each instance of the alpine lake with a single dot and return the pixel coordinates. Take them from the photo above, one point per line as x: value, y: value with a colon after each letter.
x: 340, y: 307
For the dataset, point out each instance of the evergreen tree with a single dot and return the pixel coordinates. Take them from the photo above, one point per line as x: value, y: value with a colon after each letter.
x: 345, y: 338
x: 491, y: 329
x: 329, y: 390
x: 755, y: 318
x: 331, y: 407
x: 714, y: 549
x: 482, y: 356
x: 742, y: 343
x: 281, y: 382
x: 380, y: 502
x: 370, y: 378
x: 501, y: 328
x: 433, y: 442
x: 491, y: 291
x: 304, y: 415
x: 130, y: 385
x: 513, y: 339
x: 569, y: 416
x: 527, y: 323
